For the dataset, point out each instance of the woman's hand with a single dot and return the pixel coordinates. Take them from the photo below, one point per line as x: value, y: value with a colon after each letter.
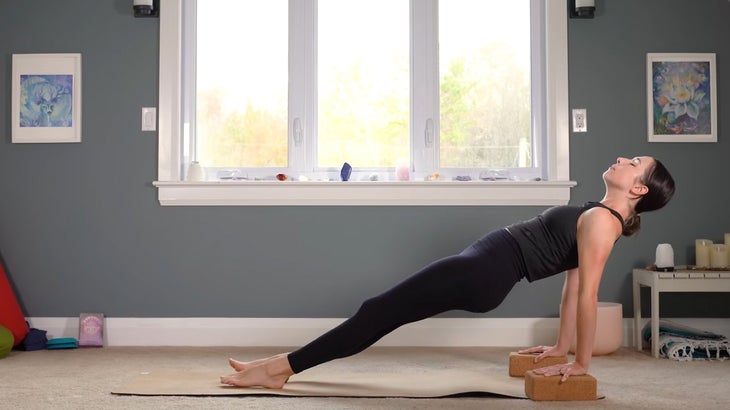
x: 543, y: 352
x: 565, y: 370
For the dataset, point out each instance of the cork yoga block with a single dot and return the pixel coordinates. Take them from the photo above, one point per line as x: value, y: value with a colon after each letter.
x: 550, y: 388
x: 520, y: 363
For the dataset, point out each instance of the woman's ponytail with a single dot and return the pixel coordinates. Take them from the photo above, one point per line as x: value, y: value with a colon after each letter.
x: 632, y: 224
x: 661, y: 189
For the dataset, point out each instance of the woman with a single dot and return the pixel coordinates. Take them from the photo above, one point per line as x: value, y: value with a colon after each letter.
x: 480, y: 277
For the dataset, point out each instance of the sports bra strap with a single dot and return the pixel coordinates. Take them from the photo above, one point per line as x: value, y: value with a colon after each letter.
x: 590, y: 205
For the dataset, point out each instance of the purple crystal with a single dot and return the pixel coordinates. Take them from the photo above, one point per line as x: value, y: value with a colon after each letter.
x: 346, y: 171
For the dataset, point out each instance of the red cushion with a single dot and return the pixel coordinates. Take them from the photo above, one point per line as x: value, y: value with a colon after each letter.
x: 11, y: 316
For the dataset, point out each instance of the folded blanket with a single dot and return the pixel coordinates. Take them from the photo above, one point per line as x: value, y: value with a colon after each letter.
x: 684, y: 343
x: 684, y: 349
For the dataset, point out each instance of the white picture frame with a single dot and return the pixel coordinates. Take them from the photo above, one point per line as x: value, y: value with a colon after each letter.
x: 681, y: 97
x: 46, y: 98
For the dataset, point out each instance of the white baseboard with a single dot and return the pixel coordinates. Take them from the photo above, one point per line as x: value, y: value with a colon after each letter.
x: 297, y: 331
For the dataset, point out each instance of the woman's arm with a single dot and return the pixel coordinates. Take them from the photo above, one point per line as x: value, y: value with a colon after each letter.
x: 566, y: 331
x: 597, y: 232
x: 568, y: 307
x: 568, y: 310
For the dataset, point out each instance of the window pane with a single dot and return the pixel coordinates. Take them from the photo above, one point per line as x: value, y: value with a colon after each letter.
x: 242, y: 63
x: 484, y: 70
x: 363, y: 83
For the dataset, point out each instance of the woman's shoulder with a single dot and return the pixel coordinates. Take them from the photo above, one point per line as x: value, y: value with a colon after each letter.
x: 565, y: 210
x: 607, y: 213
x: 600, y: 220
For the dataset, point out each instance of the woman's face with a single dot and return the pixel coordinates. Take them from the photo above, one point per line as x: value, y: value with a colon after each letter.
x: 628, y: 172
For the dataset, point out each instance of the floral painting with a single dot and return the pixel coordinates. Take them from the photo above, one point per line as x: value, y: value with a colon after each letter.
x: 46, y: 100
x: 682, y: 96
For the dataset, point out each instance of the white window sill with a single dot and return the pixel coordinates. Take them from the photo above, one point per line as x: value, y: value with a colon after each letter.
x: 388, y: 193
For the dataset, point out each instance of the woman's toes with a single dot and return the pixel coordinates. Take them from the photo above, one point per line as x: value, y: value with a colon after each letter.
x: 236, y: 365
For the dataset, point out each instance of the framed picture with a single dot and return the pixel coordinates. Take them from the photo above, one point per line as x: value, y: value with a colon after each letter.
x: 681, y: 97
x: 46, y: 98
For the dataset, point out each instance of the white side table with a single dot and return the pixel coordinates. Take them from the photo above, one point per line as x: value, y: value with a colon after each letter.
x: 683, y: 279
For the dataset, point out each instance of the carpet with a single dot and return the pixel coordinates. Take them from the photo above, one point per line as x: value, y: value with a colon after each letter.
x: 429, y: 384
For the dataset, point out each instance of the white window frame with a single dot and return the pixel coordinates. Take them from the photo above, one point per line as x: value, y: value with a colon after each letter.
x: 173, y: 191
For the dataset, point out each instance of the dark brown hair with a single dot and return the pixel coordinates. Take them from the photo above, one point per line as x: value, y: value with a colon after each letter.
x: 661, y: 190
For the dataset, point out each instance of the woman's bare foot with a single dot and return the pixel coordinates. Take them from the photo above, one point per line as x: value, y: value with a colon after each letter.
x: 240, y: 366
x: 270, y: 373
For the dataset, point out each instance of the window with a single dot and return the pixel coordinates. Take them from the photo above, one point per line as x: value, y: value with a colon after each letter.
x: 362, y: 84
x: 236, y: 84
x: 317, y: 93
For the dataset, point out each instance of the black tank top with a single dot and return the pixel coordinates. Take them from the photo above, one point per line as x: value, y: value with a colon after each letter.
x: 549, y: 242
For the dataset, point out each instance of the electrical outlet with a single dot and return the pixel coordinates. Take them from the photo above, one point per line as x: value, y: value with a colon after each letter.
x: 149, y: 118
x: 580, y: 121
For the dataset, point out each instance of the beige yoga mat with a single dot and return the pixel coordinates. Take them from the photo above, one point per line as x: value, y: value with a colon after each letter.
x: 440, y: 383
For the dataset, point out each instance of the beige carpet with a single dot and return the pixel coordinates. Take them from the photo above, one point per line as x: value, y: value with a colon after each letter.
x: 436, y: 383
x: 84, y: 379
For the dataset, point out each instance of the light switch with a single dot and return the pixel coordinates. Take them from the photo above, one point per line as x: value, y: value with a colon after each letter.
x: 149, y: 118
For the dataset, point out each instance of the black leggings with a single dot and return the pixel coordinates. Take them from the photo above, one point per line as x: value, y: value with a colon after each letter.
x: 476, y: 280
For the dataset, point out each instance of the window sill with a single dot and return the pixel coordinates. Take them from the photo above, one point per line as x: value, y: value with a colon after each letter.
x: 366, y: 193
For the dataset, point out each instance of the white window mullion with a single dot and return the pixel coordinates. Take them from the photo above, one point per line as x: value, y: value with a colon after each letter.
x: 537, y: 82
x: 302, y: 81
x: 189, y: 89
x: 424, y: 87
x: 556, y: 89
x: 170, y: 83
x: 309, y: 66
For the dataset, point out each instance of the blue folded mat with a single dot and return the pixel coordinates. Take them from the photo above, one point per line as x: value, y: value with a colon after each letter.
x: 62, y: 343
x: 683, y: 343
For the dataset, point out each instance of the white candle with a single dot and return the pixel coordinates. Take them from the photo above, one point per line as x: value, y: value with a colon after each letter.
x: 718, y: 256
x: 727, y: 240
x: 702, y: 252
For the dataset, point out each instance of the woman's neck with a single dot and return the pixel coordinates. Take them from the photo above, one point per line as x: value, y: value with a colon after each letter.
x: 622, y: 205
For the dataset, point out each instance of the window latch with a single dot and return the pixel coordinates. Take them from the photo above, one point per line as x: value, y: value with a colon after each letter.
x: 297, y: 134
x: 428, y: 133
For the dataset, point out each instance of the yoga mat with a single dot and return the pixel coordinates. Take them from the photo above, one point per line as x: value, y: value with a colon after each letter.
x: 437, y: 383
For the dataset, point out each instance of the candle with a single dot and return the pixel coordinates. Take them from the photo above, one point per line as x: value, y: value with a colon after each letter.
x: 727, y: 240
x: 718, y: 256
x: 702, y: 252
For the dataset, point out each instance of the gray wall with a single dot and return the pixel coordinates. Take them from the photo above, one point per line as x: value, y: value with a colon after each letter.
x: 81, y: 229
